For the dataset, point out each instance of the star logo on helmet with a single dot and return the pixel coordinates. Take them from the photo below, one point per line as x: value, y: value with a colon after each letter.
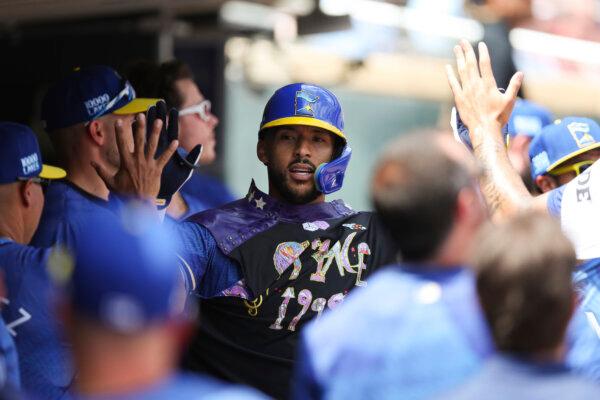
x: 304, y: 103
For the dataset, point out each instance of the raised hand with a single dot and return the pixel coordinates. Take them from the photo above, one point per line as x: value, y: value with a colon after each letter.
x: 179, y: 167
x: 140, y: 170
x: 479, y: 101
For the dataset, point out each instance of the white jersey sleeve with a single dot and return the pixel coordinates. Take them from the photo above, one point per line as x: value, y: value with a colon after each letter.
x: 578, y: 204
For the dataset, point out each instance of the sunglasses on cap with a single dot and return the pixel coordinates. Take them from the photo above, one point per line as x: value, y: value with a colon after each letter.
x: 43, y: 182
x: 578, y: 168
x: 202, y: 109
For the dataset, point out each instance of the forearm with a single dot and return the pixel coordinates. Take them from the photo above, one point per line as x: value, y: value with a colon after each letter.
x: 504, y: 191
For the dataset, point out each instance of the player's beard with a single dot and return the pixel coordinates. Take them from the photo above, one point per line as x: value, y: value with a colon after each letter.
x: 111, y: 155
x: 279, y: 179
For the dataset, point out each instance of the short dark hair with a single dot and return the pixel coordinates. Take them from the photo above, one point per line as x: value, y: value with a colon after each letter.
x: 417, y: 201
x: 524, y: 269
x: 158, y: 81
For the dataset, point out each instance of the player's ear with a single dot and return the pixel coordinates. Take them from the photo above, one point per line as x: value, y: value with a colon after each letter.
x: 26, y: 193
x: 545, y: 183
x: 262, y: 151
x: 96, y: 132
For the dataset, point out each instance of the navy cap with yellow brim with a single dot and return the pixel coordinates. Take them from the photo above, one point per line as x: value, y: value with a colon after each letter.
x: 87, y: 94
x: 20, y: 156
x: 304, y: 104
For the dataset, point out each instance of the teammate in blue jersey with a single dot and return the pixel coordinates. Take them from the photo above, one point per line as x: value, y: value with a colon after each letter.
x: 517, y: 288
x: 44, y: 365
x: 416, y: 329
x: 80, y: 113
x: 563, y: 150
x: 484, y: 110
x: 122, y: 310
x: 174, y: 82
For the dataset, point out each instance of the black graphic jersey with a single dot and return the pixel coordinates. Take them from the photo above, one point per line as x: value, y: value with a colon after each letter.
x: 297, y: 269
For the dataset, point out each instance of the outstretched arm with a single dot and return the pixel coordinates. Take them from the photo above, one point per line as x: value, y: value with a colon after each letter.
x: 484, y: 109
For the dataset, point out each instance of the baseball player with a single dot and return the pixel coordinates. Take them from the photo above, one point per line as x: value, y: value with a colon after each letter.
x: 44, y: 366
x: 173, y: 81
x: 283, y: 258
x: 80, y: 113
x: 563, y: 150
x: 122, y: 306
x: 484, y: 109
x: 416, y: 329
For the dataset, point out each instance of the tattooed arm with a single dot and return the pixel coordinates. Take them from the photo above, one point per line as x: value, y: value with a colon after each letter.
x: 484, y: 109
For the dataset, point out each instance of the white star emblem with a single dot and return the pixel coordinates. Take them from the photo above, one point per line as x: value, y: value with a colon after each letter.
x: 250, y: 196
x: 260, y: 203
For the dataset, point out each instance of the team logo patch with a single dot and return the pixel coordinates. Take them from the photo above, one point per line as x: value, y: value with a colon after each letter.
x: 315, y: 226
x: 305, y: 103
x: 581, y: 134
x: 540, y: 162
x: 30, y: 164
x: 93, y: 106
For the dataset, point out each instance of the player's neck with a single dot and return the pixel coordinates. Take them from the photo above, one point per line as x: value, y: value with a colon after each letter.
x: 274, y: 193
x: 13, y: 230
x: 85, y: 177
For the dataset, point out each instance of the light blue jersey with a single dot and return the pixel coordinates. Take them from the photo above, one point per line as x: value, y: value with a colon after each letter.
x: 411, y: 333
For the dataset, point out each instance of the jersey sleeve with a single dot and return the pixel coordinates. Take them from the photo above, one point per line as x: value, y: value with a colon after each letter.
x: 206, y: 270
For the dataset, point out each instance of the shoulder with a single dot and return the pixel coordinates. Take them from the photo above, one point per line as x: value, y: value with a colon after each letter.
x: 22, y: 254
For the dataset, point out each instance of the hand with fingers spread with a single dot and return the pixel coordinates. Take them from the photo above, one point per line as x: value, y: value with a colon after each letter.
x: 479, y: 101
x: 181, y: 165
x: 484, y: 110
x: 140, y: 171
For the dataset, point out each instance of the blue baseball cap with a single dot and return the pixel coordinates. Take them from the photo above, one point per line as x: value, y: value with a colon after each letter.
x: 561, y: 141
x: 122, y: 272
x: 20, y: 156
x: 528, y: 118
x: 87, y: 94
x: 304, y: 104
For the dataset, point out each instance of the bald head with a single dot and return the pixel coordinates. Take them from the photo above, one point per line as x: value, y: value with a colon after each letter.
x: 415, y: 189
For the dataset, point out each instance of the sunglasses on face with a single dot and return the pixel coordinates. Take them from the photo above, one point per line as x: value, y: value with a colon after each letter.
x: 578, y: 168
x: 202, y: 109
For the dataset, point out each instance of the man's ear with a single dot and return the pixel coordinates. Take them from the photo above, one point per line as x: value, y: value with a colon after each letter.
x: 95, y: 131
x: 26, y: 193
x: 545, y: 183
x: 262, y: 151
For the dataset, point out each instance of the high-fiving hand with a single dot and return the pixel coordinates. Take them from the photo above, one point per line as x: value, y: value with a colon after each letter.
x: 140, y: 170
x: 479, y: 101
